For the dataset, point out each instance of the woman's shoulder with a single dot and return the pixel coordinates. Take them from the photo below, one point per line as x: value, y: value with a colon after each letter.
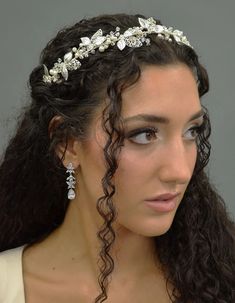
x: 11, y: 278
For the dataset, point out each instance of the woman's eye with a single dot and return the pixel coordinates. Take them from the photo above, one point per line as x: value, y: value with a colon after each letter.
x: 148, y: 135
x: 143, y: 136
x: 196, y: 130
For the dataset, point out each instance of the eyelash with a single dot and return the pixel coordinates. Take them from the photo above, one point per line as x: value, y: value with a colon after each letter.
x: 152, y: 130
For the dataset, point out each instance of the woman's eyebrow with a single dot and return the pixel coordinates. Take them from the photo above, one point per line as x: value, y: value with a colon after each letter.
x: 159, y: 119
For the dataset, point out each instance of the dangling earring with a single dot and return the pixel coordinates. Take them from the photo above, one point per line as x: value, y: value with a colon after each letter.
x: 71, y: 181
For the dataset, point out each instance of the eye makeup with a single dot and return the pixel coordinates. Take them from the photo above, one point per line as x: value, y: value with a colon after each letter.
x: 152, y: 132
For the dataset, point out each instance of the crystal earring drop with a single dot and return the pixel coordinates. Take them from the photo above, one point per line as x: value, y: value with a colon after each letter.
x: 71, y: 181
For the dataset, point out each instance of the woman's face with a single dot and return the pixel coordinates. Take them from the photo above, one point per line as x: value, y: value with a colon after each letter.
x: 157, y: 157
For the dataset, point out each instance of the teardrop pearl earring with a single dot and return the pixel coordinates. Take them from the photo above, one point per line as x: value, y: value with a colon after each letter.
x: 71, y: 181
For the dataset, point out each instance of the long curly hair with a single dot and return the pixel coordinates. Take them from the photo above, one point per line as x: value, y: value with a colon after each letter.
x: 197, y: 253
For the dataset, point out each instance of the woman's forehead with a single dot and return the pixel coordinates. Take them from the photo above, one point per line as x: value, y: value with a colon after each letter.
x: 161, y: 88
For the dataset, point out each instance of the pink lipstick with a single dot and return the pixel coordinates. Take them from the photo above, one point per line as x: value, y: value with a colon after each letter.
x: 163, y: 203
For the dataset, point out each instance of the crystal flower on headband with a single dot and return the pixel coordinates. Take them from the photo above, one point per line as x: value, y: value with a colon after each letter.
x: 132, y: 37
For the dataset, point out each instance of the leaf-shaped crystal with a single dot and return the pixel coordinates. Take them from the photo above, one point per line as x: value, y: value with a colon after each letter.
x: 97, y: 34
x: 68, y: 56
x: 136, y: 31
x: 121, y: 44
x: 177, y: 38
x: 177, y: 32
x: 151, y: 21
x: 143, y: 22
x: 64, y: 72
x: 45, y: 70
x: 85, y: 40
x: 99, y: 40
x: 127, y: 33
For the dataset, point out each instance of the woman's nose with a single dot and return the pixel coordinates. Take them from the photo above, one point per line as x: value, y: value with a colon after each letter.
x: 178, y: 161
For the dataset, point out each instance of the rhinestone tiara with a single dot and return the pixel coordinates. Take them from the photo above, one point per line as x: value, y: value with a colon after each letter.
x: 132, y: 37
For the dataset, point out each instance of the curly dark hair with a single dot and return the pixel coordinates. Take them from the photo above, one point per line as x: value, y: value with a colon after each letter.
x: 198, y: 251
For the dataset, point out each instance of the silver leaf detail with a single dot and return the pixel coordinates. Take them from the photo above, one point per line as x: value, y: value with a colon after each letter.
x: 127, y: 33
x: 97, y: 34
x: 45, y: 70
x: 99, y: 40
x: 177, y: 38
x: 177, y: 32
x: 143, y: 22
x: 64, y: 72
x: 121, y: 44
x: 85, y: 40
x: 68, y: 56
x: 151, y: 20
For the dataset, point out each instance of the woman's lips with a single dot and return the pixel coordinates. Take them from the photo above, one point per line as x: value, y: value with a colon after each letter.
x: 163, y: 205
x: 163, y: 197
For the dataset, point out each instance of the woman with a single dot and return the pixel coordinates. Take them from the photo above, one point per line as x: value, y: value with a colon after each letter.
x: 103, y: 191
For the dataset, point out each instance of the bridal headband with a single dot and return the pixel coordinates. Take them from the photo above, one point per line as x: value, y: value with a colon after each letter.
x: 132, y: 37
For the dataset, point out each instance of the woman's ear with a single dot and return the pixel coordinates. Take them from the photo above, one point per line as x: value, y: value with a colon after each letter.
x: 72, y: 147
